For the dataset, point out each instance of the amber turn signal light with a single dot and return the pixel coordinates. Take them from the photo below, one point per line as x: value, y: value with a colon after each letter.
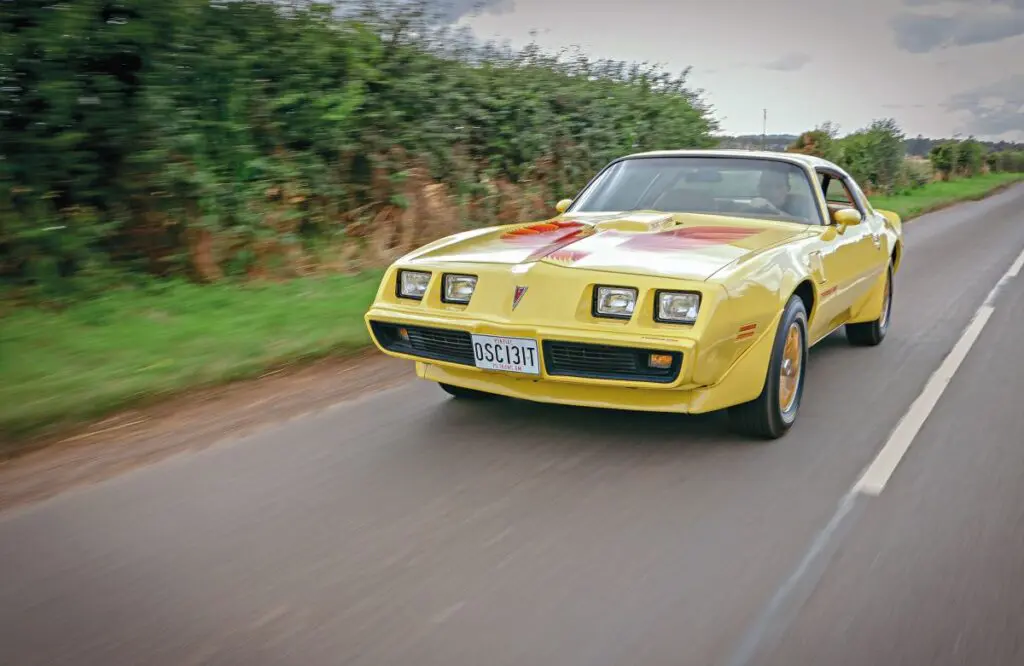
x: 659, y: 360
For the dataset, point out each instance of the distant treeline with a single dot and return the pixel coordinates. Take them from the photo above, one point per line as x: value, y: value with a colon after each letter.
x: 922, y: 147
x: 919, y: 146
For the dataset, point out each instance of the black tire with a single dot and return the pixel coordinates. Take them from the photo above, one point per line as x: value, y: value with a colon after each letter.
x: 764, y: 417
x: 464, y: 393
x: 871, y: 333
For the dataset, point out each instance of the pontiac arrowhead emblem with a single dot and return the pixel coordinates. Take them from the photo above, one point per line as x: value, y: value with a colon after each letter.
x: 520, y: 291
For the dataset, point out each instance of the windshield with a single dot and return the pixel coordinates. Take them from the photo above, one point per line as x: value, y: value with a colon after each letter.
x: 740, y: 186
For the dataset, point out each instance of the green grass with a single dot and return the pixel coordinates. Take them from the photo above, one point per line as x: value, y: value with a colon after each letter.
x: 62, y: 368
x: 934, y: 196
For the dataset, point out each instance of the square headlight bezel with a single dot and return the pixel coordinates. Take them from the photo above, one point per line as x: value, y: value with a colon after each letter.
x: 679, y: 322
x: 596, y: 297
x: 444, y: 287
x: 398, y: 284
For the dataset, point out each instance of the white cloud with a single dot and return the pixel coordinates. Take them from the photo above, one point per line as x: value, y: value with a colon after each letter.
x: 921, y: 33
x: 747, y: 56
x: 790, y: 62
x: 995, y: 110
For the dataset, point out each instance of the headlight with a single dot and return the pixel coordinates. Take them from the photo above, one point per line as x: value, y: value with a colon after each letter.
x: 677, y: 307
x: 615, y: 302
x: 412, y: 284
x: 458, y: 288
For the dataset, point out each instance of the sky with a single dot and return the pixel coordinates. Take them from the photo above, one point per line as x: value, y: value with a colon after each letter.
x: 939, y: 67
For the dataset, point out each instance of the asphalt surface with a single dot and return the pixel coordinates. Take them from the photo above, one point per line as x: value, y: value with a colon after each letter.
x: 406, y: 528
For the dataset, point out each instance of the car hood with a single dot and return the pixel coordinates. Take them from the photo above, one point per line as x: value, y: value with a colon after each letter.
x: 688, y: 246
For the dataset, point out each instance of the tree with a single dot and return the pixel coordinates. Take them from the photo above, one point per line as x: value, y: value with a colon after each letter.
x: 874, y: 155
x: 819, y: 142
x: 971, y: 157
x: 944, y: 157
x: 888, y: 151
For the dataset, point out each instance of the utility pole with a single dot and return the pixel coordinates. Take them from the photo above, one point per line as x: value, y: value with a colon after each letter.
x: 764, y: 129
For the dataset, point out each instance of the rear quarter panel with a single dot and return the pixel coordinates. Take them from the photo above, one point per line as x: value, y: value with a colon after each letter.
x: 894, y: 232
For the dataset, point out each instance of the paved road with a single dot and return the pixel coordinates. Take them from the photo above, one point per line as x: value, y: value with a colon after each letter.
x: 408, y: 529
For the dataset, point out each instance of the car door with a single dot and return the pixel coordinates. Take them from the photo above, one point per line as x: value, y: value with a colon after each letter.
x: 842, y: 259
x: 875, y: 226
x: 870, y: 255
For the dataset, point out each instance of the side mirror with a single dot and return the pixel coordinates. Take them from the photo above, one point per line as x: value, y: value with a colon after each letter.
x: 848, y: 217
x: 563, y: 205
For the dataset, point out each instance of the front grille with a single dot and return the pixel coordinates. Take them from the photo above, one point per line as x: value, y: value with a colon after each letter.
x: 565, y: 359
x: 438, y: 344
x: 573, y: 359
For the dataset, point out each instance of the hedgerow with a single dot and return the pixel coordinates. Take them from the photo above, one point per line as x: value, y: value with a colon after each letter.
x: 1008, y: 161
x: 969, y: 158
x: 245, y: 137
x: 877, y: 157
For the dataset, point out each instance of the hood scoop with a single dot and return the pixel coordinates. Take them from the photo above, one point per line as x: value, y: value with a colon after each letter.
x: 638, y: 223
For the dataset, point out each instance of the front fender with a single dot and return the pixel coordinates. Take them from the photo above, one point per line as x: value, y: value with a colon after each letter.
x: 746, y: 317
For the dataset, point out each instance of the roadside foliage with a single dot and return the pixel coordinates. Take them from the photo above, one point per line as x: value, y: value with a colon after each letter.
x: 248, y: 138
x: 877, y: 157
x: 220, y: 140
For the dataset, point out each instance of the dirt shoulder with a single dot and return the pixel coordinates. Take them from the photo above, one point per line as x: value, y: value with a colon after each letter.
x: 194, y: 421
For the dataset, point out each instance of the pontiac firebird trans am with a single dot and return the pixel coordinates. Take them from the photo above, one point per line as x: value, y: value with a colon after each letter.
x: 677, y: 281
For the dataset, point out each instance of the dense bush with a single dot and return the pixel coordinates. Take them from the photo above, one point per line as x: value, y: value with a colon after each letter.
x: 914, y: 173
x: 873, y: 155
x: 965, y: 158
x: 246, y: 136
x: 1008, y: 161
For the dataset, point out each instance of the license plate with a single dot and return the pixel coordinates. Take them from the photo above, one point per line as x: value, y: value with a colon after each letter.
x: 509, y: 354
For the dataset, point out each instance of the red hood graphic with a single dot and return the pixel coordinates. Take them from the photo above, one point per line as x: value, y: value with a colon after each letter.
x: 696, y: 248
x: 547, y: 238
x: 687, y: 238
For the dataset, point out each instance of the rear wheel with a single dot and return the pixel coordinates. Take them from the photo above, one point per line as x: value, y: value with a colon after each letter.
x: 464, y: 393
x: 871, y: 333
x: 773, y: 412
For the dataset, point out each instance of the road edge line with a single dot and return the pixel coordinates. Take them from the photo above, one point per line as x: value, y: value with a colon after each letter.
x: 877, y: 474
x: 771, y: 624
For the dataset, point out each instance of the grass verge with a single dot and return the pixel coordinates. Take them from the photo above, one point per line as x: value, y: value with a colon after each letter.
x: 935, y: 196
x: 62, y: 368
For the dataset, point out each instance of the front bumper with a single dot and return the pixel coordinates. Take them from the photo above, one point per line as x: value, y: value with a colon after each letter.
x: 675, y: 393
x: 567, y: 355
x: 578, y: 394
x: 741, y: 382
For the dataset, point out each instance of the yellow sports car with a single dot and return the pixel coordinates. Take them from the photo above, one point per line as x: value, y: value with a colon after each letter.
x: 677, y: 281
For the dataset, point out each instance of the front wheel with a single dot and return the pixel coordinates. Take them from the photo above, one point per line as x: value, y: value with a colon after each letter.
x: 773, y: 413
x: 871, y: 333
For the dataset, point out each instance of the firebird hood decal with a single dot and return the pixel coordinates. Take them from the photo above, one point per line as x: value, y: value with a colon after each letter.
x: 697, y: 247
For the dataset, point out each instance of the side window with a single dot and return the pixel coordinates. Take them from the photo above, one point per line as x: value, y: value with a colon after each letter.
x: 858, y: 195
x: 838, y: 195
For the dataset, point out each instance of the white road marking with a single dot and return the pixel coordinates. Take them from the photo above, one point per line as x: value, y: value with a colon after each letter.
x: 877, y: 474
x: 1017, y: 265
x: 765, y: 631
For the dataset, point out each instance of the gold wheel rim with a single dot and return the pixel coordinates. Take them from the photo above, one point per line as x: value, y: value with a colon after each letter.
x: 792, y: 360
